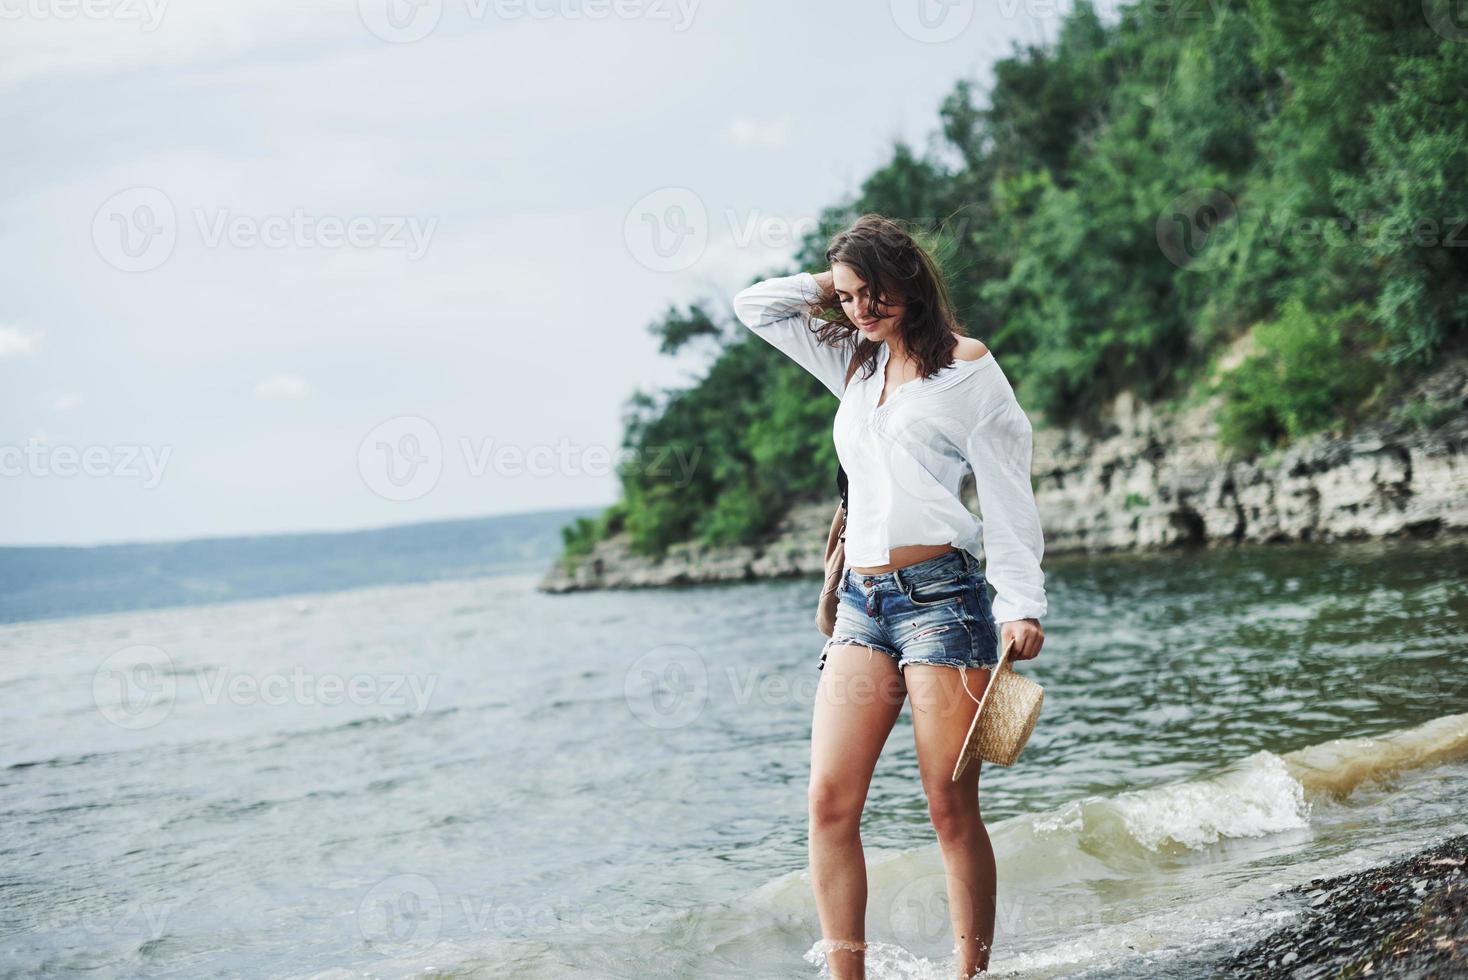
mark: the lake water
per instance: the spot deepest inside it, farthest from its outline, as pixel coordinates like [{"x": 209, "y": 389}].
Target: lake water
[{"x": 470, "y": 778}]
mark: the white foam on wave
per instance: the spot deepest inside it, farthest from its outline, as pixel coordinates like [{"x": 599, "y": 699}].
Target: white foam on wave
[{"x": 1255, "y": 798}]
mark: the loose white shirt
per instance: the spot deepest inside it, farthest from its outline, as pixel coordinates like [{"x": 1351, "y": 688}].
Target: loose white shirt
[{"x": 905, "y": 459}]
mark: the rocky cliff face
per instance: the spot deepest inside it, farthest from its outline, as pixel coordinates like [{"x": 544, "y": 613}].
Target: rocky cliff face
[{"x": 1152, "y": 480}]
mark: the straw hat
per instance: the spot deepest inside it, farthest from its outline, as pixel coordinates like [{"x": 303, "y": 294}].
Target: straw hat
[{"x": 1005, "y": 717}]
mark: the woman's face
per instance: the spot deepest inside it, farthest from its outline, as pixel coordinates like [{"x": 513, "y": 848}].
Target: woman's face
[{"x": 856, "y": 301}]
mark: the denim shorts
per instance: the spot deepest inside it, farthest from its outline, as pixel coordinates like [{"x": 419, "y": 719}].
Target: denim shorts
[{"x": 933, "y": 612}]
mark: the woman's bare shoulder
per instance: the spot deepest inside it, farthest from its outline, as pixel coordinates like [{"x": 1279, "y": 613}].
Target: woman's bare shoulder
[{"x": 969, "y": 349}]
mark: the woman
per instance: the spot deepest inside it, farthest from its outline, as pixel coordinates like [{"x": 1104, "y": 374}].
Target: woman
[{"x": 930, "y": 406}]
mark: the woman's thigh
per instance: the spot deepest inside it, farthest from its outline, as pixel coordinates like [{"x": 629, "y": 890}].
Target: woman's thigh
[
  {"x": 944, "y": 700},
  {"x": 857, "y": 702}
]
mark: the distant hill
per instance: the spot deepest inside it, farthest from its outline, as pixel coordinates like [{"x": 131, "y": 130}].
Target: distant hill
[{"x": 47, "y": 582}]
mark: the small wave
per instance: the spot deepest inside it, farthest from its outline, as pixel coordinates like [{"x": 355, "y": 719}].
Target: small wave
[
  {"x": 385, "y": 719},
  {"x": 1261, "y": 794},
  {"x": 1337, "y": 767},
  {"x": 56, "y": 762},
  {"x": 1254, "y": 797}
]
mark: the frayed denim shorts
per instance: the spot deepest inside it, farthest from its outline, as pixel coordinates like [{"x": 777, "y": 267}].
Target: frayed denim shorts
[{"x": 933, "y": 612}]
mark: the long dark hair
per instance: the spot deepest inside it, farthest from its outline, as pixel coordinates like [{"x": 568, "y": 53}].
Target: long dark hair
[{"x": 895, "y": 266}]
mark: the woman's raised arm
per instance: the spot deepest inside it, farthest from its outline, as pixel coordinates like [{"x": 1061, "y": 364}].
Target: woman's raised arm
[{"x": 777, "y": 309}]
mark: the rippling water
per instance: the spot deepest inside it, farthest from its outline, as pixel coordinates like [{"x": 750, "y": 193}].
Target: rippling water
[{"x": 477, "y": 779}]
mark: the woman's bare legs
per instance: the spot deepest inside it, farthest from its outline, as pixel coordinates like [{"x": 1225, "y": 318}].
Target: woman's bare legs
[
  {"x": 941, "y": 714},
  {"x": 857, "y": 701}
]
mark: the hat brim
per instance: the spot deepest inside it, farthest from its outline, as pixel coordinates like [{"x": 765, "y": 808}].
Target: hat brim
[{"x": 970, "y": 750}]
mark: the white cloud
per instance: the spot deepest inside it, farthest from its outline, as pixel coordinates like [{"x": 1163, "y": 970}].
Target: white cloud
[
  {"x": 15, "y": 341},
  {"x": 772, "y": 133},
  {"x": 281, "y": 386},
  {"x": 67, "y": 400}
]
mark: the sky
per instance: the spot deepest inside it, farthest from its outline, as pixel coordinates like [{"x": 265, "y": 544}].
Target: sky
[{"x": 278, "y": 266}]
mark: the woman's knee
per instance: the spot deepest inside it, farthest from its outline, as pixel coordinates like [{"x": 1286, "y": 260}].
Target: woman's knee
[
  {"x": 832, "y": 803},
  {"x": 953, "y": 812}
]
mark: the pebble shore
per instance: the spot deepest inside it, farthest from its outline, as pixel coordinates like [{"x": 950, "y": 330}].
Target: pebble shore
[{"x": 1405, "y": 919}]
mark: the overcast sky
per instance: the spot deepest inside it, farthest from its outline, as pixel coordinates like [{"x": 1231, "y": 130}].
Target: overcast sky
[{"x": 309, "y": 265}]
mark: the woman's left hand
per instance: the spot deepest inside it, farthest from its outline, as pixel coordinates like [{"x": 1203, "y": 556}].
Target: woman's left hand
[{"x": 1028, "y": 635}]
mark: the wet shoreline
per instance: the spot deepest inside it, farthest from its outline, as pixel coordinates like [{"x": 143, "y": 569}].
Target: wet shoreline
[{"x": 1408, "y": 918}]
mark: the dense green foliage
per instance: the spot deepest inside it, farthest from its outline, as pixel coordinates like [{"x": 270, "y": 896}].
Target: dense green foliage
[
  {"x": 1115, "y": 211},
  {"x": 1297, "y": 381}
]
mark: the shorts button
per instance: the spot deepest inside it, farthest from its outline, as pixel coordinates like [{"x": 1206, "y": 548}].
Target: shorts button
[{"x": 868, "y": 581}]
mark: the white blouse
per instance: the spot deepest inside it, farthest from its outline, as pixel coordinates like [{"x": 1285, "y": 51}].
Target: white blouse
[{"x": 905, "y": 459}]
